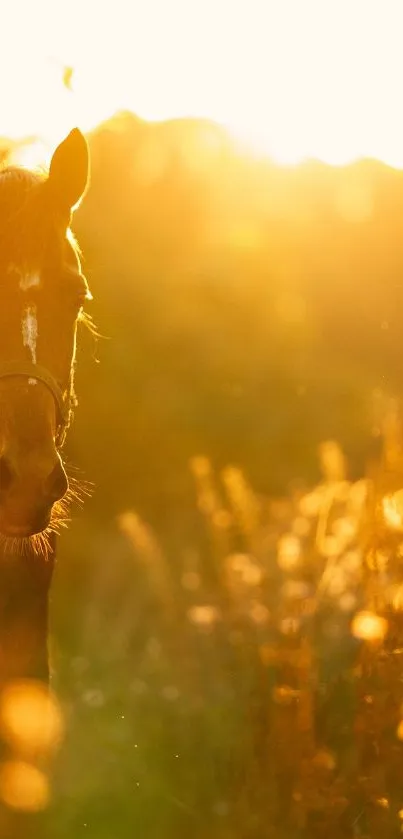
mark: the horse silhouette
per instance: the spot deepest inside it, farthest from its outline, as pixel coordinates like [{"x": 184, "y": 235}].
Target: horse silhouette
[{"x": 42, "y": 293}]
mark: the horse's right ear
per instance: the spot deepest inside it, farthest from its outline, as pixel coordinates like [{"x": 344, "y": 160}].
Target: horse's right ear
[{"x": 69, "y": 171}]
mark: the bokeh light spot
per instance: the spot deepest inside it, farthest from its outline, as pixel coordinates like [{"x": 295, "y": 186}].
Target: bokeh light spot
[
  {"x": 369, "y": 627},
  {"x": 30, "y": 717},
  {"x": 23, "y": 787}
]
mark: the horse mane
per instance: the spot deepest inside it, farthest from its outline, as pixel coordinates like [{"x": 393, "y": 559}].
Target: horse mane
[
  {"x": 16, "y": 184},
  {"x": 27, "y": 177},
  {"x": 28, "y": 218}
]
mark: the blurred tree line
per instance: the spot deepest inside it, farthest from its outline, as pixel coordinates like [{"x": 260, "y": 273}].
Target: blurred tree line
[{"x": 250, "y": 311}]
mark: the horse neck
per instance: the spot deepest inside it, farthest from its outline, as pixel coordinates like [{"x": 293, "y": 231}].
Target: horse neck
[{"x": 24, "y": 593}]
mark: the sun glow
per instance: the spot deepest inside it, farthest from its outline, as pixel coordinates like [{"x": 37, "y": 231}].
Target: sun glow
[{"x": 290, "y": 79}]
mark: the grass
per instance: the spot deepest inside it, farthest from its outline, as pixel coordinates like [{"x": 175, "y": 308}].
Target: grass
[{"x": 250, "y": 686}]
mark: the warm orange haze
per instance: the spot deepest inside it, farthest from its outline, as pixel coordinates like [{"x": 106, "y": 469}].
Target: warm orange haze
[
  {"x": 226, "y": 612},
  {"x": 291, "y": 78}
]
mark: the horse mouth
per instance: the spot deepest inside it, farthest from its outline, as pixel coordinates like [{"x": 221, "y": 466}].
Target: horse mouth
[
  {"x": 18, "y": 532},
  {"x": 23, "y": 531}
]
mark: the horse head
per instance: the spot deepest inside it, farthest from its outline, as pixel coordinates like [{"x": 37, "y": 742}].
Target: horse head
[{"x": 42, "y": 293}]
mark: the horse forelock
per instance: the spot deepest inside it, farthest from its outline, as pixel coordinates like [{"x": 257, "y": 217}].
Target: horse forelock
[
  {"x": 16, "y": 185},
  {"x": 28, "y": 221}
]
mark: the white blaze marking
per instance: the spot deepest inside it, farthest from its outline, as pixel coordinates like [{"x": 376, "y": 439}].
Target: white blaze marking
[
  {"x": 29, "y": 281},
  {"x": 30, "y": 333},
  {"x": 29, "y": 319}
]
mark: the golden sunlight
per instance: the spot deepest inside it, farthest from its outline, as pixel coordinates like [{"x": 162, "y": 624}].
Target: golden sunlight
[{"x": 290, "y": 79}]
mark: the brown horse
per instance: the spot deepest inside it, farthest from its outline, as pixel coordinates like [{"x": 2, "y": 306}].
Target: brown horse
[{"x": 42, "y": 292}]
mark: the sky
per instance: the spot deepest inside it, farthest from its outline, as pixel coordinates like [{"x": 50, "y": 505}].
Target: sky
[{"x": 291, "y": 78}]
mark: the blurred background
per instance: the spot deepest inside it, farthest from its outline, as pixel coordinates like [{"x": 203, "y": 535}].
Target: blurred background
[{"x": 242, "y": 238}]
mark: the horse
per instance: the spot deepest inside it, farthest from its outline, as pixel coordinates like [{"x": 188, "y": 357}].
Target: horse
[{"x": 42, "y": 295}]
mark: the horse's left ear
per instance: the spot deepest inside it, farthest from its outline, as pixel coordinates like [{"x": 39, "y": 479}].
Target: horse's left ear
[{"x": 69, "y": 170}]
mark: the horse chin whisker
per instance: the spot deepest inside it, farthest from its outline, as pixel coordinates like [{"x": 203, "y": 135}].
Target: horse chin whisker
[
  {"x": 36, "y": 545},
  {"x": 55, "y": 527},
  {"x": 61, "y": 517},
  {"x": 79, "y": 489},
  {"x": 39, "y": 544}
]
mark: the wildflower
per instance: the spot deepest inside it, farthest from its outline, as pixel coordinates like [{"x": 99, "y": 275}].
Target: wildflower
[
  {"x": 289, "y": 626},
  {"x": 285, "y": 695},
  {"x": 203, "y": 615},
  {"x": 324, "y": 759},
  {"x": 310, "y": 504},
  {"x": 352, "y": 561},
  {"x": 200, "y": 466},
  {"x": 369, "y": 627},
  {"x": 337, "y": 582},
  {"x": 295, "y": 590},
  {"x": 288, "y": 551},
  {"x": 245, "y": 568},
  {"x": 332, "y": 461},
  {"x": 392, "y": 506},
  {"x": 358, "y": 493},
  {"x": 258, "y": 613},
  {"x": 345, "y": 528}
]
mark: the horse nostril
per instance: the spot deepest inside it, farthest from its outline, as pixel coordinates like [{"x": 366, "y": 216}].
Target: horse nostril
[
  {"x": 6, "y": 473},
  {"x": 56, "y": 483}
]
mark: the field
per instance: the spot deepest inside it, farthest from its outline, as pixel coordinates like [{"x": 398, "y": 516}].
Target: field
[
  {"x": 250, "y": 685},
  {"x": 226, "y": 631}
]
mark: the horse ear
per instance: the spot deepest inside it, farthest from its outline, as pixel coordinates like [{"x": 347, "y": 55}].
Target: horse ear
[{"x": 69, "y": 170}]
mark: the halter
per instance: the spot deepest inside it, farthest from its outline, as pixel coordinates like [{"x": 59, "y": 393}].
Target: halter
[{"x": 29, "y": 370}]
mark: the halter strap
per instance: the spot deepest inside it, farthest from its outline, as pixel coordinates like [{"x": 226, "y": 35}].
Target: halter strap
[{"x": 34, "y": 371}]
